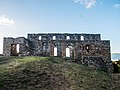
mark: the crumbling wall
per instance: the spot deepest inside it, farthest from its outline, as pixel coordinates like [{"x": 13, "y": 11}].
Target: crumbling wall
[
  {"x": 10, "y": 46},
  {"x": 43, "y": 44},
  {"x": 88, "y": 49}
]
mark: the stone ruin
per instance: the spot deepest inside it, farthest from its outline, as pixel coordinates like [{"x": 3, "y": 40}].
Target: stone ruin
[{"x": 88, "y": 49}]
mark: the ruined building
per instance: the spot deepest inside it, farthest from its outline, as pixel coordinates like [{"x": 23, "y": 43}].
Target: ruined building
[{"x": 88, "y": 49}]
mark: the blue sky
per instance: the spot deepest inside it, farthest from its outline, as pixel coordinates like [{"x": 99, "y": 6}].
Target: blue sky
[{"x": 20, "y": 17}]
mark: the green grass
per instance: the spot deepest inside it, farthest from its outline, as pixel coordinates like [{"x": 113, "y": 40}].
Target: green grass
[{"x": 47, "y": 73}]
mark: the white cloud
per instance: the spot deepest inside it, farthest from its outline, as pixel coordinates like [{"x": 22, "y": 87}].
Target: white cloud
[
  {"x": 116, "y": 5},
  {"x": 6, "y": 21},
  {"x": 86, "y": 3}
]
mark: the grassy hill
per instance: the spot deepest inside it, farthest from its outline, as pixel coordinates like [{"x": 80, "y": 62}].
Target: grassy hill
[{"x": 44, "y": 73}]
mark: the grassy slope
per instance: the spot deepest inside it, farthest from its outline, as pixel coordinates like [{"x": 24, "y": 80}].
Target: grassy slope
[{"x": 42, "y": 73}]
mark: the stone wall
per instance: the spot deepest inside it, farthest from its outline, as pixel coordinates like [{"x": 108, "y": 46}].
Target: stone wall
[
  {"x": 10, "y": 46},
  {"x": 88, "y": 49}
]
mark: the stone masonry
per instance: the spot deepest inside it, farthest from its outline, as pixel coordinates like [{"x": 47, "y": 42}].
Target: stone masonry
[{"x": 88, "y": 49}]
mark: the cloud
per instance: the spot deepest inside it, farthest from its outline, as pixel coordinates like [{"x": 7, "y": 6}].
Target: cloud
[
  {"x": 6, "y": 21},
  {"x": 116, "y": 5},
  {"x": 86, "y": 3}
]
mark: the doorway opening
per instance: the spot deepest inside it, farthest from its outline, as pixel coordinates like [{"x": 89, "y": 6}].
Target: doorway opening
[
  {"x": 67, "y": 52},
  {"x": 40, "y": 37},
  {"x": 14, "y": 50},
  {"x": 55, "y": 51}
]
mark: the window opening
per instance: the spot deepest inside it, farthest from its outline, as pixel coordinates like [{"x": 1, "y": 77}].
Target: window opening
[
  {"x": 87, "y": 47},
  {"x": 68, "y": 37},
  {"x": 82, "y": 38},
  {"x": 40, "y": 38},
  {"x": 54, "y": 37}
]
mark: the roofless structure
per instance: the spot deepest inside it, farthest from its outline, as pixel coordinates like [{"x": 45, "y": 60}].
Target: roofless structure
[{"x": 88, "y": 49}]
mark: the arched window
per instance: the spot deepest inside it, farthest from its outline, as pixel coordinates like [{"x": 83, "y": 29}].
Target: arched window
[
  {"x": 88, "y": 47},
  {"x": 68, "y": 37}
]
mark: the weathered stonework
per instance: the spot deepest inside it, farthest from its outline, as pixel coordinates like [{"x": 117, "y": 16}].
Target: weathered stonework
[{"x": 88, "y": 49}]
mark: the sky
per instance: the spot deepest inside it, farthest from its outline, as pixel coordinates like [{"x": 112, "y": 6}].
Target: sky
[{"x": 20, "y": 17}]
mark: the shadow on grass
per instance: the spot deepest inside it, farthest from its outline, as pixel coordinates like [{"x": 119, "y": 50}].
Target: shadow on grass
[{"x": 5, "y": 60}]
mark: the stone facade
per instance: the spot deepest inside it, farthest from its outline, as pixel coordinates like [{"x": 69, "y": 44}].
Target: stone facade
[{"x": 88, "y": 49}]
